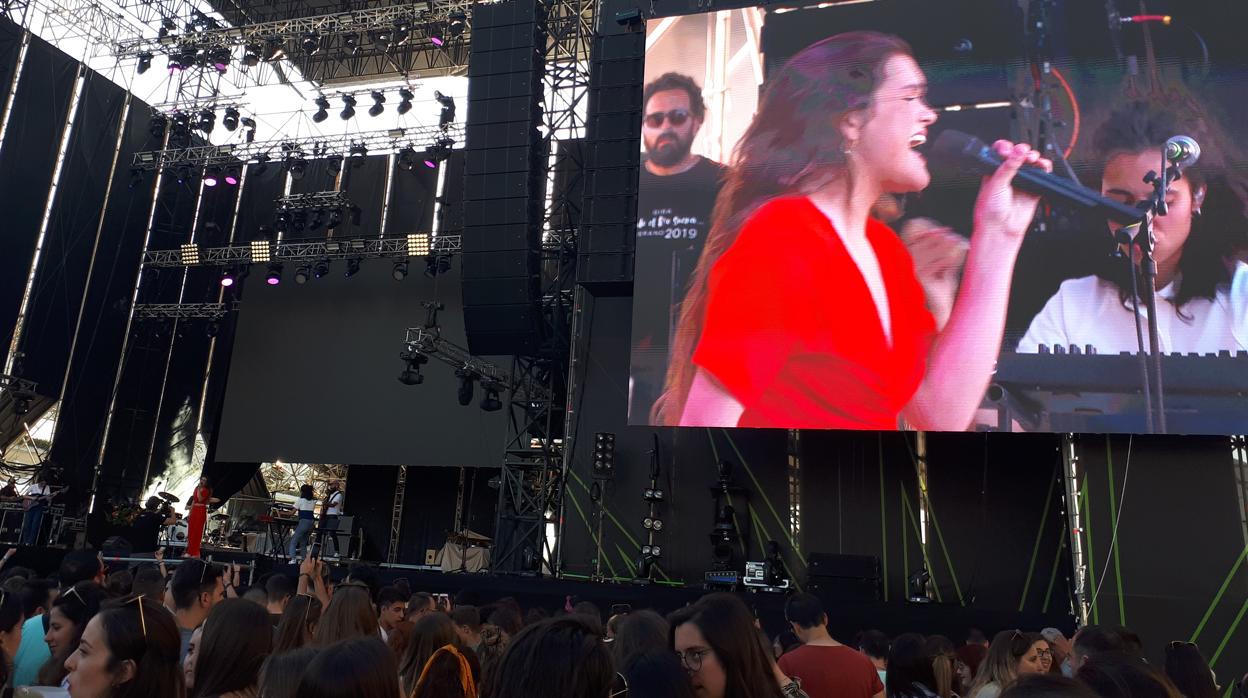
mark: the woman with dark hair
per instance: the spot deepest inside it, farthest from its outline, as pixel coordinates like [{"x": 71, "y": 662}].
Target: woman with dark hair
[
  {"x": 69, "y": 616},
  {"x": 450, "y": 673},
  {"x": 1202, "y": 291},
  {"x": 430, "y": 633},
  {"x": 803, "y": 310},
  {"x": 637, "y": 632},
  {"x": 1116, "y": 675},
  {"x": 1047, "y": 686},
  {"x": 1189, "y": 671},
  {"x": 350, "y": 614},
  {"x": 558, "y": 658},
  {"x": 279, "y": 676},
  {"x": 715, "y": 640},
  {"x": 129, "y": 649},
  {"x": 11, "y": 619},
  {"x": 200, "y": 499},
  {"x": 361, "y": 667},
  {"x": 237, "y": 638},
  {"x": 656, "y": 673},
  {"x": 1012, "y": 653},
  {"x": 910, "y": 669},
  {"x": 298, "y": 624},
  {"x": 305, "y": 505}
]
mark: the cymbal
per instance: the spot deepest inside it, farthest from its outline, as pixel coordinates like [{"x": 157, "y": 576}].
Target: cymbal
[
  {"x": 220, "y": 517},
  {"x": 171, "y": 498}
]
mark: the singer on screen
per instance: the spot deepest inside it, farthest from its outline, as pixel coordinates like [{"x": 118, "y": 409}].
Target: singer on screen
[
  {"x": 1202, "y": 292},
  {"x": 805, "y": 312}
]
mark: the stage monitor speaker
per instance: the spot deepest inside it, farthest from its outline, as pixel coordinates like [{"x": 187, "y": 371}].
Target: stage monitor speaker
[
  {"x": 504, "y": 178},
  {"x": 612, "y": 157},
  {"x": 824, "y": 565},
  {"x": 844, "y": 588}
]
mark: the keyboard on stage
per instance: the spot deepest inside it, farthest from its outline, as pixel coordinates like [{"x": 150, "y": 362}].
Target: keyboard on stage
[{"x": 1081, "y": 392}]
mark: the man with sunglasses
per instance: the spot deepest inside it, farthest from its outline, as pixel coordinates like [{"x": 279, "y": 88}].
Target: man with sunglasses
[{"x": 677, "y": 189}]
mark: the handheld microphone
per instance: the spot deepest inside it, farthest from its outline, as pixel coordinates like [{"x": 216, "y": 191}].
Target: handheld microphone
[
  {"x": 1182, "y": 151},
  {"x": 973, "y": 155}
]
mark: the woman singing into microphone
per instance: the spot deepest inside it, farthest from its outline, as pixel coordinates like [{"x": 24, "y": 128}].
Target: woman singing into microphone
[
  {"x": 805, "y": 312},
  {"x": 1202, "y": 292}
]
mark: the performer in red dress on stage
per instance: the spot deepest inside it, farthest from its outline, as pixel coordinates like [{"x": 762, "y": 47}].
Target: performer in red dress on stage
[
  {"x": 199, "y": 516},
  {"x": 806, "y": 312}
]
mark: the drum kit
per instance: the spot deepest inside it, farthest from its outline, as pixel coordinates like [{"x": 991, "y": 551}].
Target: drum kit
[{"x": 175, "y": 534}]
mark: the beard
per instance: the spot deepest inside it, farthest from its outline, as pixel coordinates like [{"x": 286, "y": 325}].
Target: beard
[{"x": 668, "y": 149}]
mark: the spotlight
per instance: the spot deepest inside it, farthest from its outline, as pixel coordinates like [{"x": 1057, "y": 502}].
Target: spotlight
[
  {"x": 437, "y": 264},
  {"x": 435, "y": 38},
  {"x": 467, "y": 380},
  {"x": 21, "y": 404},
  {"x": 136, "y": 177},
  {"x": 228, "y": 278},
  {"x": 402, "y": 31},
  {"x": 174, "y": 63},
  {"x": 408, "y": 158},
  {"x": 322, "y": 109},
  {"x": 220, "y": 58},
  {"x": 405, "y": 105},
  {"x": 379, "y": 100},
  {"x": 400, "y": 270},
  {"x": 274, "y": 49},
  {"x": 297, "y": 167},
  {"x": 458, "y": 22},
  {"x": 207, "y": 120},
  {"x": 351, "y": 43},
  {"x": 311, "y": 43},
  {"x": 334, "y": 164},
  {"x": 251, "y": 55},
  {"x": 491, "y": 402},
  {"x": 274, "y": 277},
  {"x": 212, "y": 176},
  {"x": 183, "y": 173},
  {"x": 447, "y": 116},
  {"x": 413, "y": 360},
  {"x": 262, "y": 163},
  {"x": 439, "y": 151},
  {"x": 156, "y": 126},
  {"x": 382, "y": 37},
  {"x": 604, "y": 455},
  {"x": 230, "y": 120},
  {"x": 233, "y": 174},
  {"x": 145, "y": 62},
  {"x": 348, "y": 107},
  {"x": 357, "y": 154},
  {"x": 353, "y": 267},
  {"x": 335, "y": 218},
  {"x": 302, "y": 274},
  {"x": 321, "y": 268},
  {"x": 249, "y": 124}
]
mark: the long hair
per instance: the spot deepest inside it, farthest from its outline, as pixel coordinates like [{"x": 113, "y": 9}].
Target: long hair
[
  {"x": 1222, "y": 228},
  {"x": 299, "y": 621},
  {"x": 1001, "y": 664},
  {"x": 639, "y": 631},
  {"x": 350, "y": 614},
  {"x": 1124, "y": 676},
  {"x": 449, "y": 673},
  {"x": 1189, "y": 671},
  {"x": 148, "y": 637},
  {"x": 944, "y": 665},
  {"x": 279, "y": 676},
  {"x": 238, "y": 636},
  {"x": 431, "y": 632},
  {"x": 790, "y": 147},
  {"x": 494, "y": 644},
  {"x": 78, "y": 605},
  {"x": 558, "y": 658},
  {"x": 656, "y": 673},
  {"x": 909, "y": 664},
  {"x": 11, "y": 616},
  {"x": 728, "y": 627},
  {"x": 361, "y": 667}
]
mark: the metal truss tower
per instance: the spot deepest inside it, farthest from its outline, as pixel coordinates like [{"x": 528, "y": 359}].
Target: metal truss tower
[{"x": 532, "y": 478}]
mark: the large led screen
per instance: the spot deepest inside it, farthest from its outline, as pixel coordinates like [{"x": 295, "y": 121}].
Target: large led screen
[{"x": 833, "y": 230}]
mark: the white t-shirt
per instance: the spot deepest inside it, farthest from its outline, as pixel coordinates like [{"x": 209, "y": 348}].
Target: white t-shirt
[
  {"x": 335, "y": 504},
  {"x": 1090, "y": 310},
  {"x": 305, "y": 505},
  {"x": 35, "y": 489}
]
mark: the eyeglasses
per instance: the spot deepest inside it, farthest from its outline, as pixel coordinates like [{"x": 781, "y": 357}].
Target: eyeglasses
[
  {"x": 619, "y": 687},
  {"x": 73, "y": 591},
  {"x": 138, "y": 600},
  {"x": 676, "y": 117},
  {"x": 1042, "y": 653},
  {"x": 1179, "y": 643},
  {"x": 692, "y": 660}
]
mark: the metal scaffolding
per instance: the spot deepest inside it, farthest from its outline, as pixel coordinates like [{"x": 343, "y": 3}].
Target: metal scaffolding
[
  {"x": 261, "y": 251},
  {"x": 183, "y": 311}
]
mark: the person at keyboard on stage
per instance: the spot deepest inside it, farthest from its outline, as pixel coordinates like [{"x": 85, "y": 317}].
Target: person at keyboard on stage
[
  {"x": 1202, "y": 290},
  {"x": 305, "y": 505},
  {"x": 803, "y": 310}
]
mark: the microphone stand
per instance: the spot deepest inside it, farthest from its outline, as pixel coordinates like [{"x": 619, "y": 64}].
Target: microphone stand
[{"x": 1148, "y": 267}]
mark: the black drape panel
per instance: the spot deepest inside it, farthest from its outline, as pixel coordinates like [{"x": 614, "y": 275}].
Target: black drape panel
[
  {"x": 370, "y": 500},
  {"x": 316, "y": 177},
  {"x": 10, "y": 48},
  {"x": 261, "y": 188},
  {"x": 365, "y": 186},
  {"x": 569, "y": 187},
  {"x": 88, "y": 392},
  {"x": 27, "y": 159},
  {"x": 429, "y": 508},
  {"x": 452, "y": 211},
  {"x": 411, "y": 199},
  {"x": 61, "y": 279}
]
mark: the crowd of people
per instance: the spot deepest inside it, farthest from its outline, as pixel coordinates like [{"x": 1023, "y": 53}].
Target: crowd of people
[{"x": 89, "y": 631}]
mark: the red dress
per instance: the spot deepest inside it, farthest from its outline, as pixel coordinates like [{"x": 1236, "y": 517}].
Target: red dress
[
  {"x": 791, "y": 330},
  {"x": 197, "y": 521}
]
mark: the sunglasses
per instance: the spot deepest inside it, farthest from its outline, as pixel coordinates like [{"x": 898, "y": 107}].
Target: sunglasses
[
  {"x": 619, "y": 687},
  {"x": 676, "y": 117}
]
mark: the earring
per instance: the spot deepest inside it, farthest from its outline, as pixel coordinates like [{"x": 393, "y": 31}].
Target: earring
[
  {"x": 1196, "y": 212},
  {"x": 848, "y": 148}
]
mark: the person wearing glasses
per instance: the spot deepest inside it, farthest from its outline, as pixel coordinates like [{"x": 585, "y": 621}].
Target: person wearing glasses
[
  {"x": 716, "y": 641},
  {"x": 676, "y": 194}
]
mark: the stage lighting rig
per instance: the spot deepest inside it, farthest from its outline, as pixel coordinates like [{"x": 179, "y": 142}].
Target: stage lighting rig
[
  {"x": 322, "y": 109},
  {"x": 400, "y": 270},
  {"x": 156, "y": 126},
  {"x": 604, "y": 455},
  {"x": 321, "y": 268},
  {"x": 303, "y": 273},
  {"x": 407, "y": 158},
  {"x": 379, "y": 101},
  {"x": 207, "y": 121},
  {"x": 310, "y": 43},
  {"x": 348, "y": 107},
  {"x": 233, "y": 174},
  {"x": 212, "y": 176},
  {"x": 252, "y": 55},
  {"x": 274, "y": 277},
  {"x": 356, "y": 155},
  {"x": 447, "y": 116},
  {"x": 145, "y": 62},
  {"x": 457, "y": 23},
  {"x": 402, "y": 31},
  {"x": 491, "y": 401},
  {"x": 411, "y": 374},
  {"x": 437, "y": 264},
  {"x": 230, "y": 119},
  {"x": 220, "y": 58},
  {"x": 353, "y": 267},
  {"x": 467, "y": 382},
  {"x": 334, "y": 164},
  {"x": 405, "y": 100},
  {"x": 351, "y": 44}
]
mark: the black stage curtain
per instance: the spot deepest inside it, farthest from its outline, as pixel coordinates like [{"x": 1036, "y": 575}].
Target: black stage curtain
[
  {"x": 61, "y": 280},
  {"x": 262, "y": 187},
  {"x": 452, "y": 211},
  {"x": 429, "y": 508},
  {"x": 10, "y": 48},
  {"x": 365, "y": 186},
  {"x": 316, "y": 178},
  {"x": 411, "y": 199},
  {"x": 370, "y": 500},
  {"x": 88, "y": 392},
  {"x": 27, "y": 159}
]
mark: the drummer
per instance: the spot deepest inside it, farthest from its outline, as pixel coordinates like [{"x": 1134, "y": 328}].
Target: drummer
[{"x": 147, "y": 525}]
